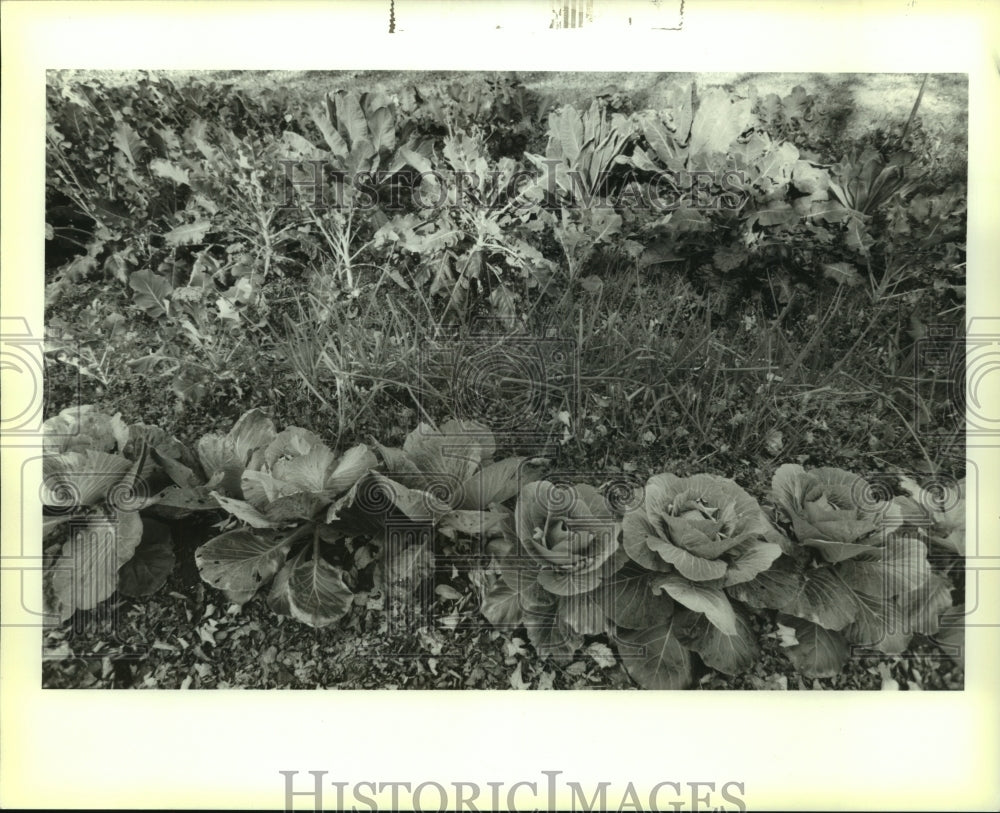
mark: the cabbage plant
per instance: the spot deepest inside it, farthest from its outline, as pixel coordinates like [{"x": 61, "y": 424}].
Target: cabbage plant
[
  {"x": 856, "y": 575},
  {"x": 562, "y": 547},
  {"x": 218, "y": 464},
  {"x": 455, "y": 464},
  {"x": 97, "y": 475},
  {"x": 288, "y": 493},
  {"x": 690, "y": 540},
  {"x": 309, "y": 519}
]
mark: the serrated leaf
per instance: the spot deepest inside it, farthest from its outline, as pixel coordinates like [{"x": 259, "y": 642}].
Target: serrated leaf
[
  {"x": 602, "y": 654},
  {"x": 187, "y": 234},
  {"x": 165, "y": 169},
  {"x": 151, "y": 292},
  {"x": 129, "y": 143}
]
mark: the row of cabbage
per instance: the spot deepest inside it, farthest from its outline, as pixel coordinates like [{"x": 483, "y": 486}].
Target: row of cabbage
[{"x": 672, "y": 573}]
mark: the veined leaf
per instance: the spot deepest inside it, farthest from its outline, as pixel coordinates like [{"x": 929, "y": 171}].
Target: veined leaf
[
  {"x": 552, "y": 637},
  {"x": 323, "y": 117},
  {"x": 582, "y": 612},
  {"x": 819, "y": 653},
  {"x": 252, "y": 432},
  {"x": 631, "y": 601},
  {"x": 129, "y": 143},
  {"x": 151, "y": 292},
  {"x": 772, "y": 589},
  {"x": 688, "y": 565},
  {"x": 86, "y": 573},
  {"x": 842, "y": 273},
  {"x": 655, "y": 657},
  {"x": 75, "y": 479},
  {"x": 502, "y": 606},
  {"x": 731, "y": 654},
  {"x": 306, "y": 472},
  {"x": 240, "y": 561},
  {"x": 296, "y": 147},
  {"x": 823, "y": 599},
  {"x": 244, "y": 512},
  {"x": 498, "y": 482},
  {"x": 317, "y": 595},
  {"x": 351, "y": 119},
  {"x": 881, "y": 624},
  {"x": 712, "y": 603},
  {"x": 382, "y": 126},
  {"x": 291, "y": 442},
  {"x": 350, "y": 468},
  {"x": 752, "y": 557},
  {"x": 718, "y": 122},
  {"x": 187, "y": 234}
]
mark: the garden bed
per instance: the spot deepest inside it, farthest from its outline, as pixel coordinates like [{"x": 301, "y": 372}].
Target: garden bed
[{"x": 699, "y": 308}]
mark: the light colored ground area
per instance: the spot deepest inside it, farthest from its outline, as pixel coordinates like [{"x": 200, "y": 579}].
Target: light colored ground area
[{"x": 875, "y": 98}]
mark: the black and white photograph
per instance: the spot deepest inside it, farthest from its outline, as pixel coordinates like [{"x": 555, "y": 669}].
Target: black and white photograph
[
  {"x": 656, "y": 382},
  {"x": 498, "y": 380}
]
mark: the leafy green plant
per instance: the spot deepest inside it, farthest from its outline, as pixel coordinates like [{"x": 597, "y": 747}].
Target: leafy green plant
[
  {"x": 455, "y": 464},
  {"x": 289, "y": 490},
  {"x": 499, "y": 108},
  {"x": 97, "y": 476},
  {"x": 560, "y": 545},
  {"x": 940, "y": 507},
  {"x": 855, "y": 576},
  {"x": 693, "y": 539},
  {"x": 218, "y": 465},
  {"x": 311, "y": 520},
  {"x": 472, "y": 233}
]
